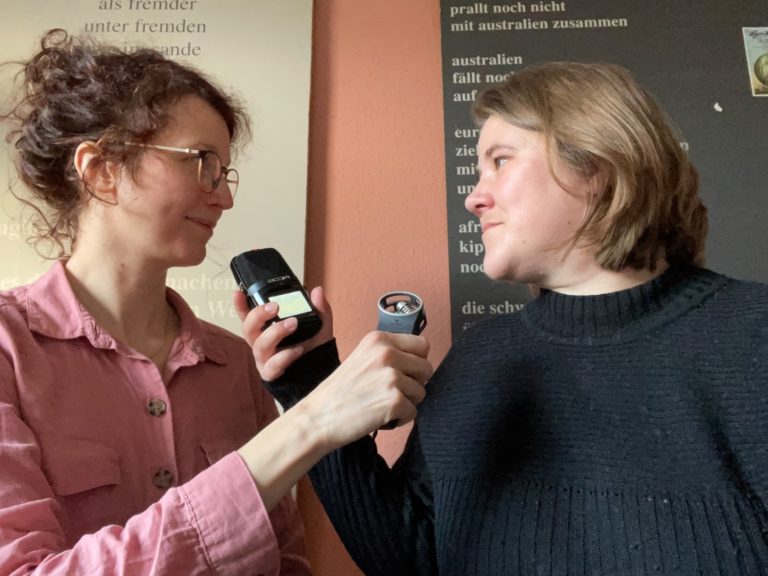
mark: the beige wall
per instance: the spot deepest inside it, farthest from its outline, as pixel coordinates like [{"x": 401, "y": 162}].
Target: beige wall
[
  {"x": 376, "y": 198},
  {"x": 268, "y": 68}
]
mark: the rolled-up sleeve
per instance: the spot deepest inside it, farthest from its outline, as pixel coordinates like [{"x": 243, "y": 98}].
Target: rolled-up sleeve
[{"x": 214, "y": 524}]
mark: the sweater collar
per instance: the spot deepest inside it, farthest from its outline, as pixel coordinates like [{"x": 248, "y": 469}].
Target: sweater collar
[{"x": 677, "y": 289}]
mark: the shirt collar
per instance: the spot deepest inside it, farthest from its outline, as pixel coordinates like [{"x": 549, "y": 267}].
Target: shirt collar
[
  {"x": 197, "y": 336},
  {"x": 54, "y": 311}
]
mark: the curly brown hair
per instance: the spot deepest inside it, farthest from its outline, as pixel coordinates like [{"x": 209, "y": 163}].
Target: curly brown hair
[
  {"x": 598, "y": 121},
  {"x": 76, "y": 90}
]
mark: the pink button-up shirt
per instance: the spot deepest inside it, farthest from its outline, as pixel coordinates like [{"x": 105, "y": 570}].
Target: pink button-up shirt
[{"x": 105, "y": 468}]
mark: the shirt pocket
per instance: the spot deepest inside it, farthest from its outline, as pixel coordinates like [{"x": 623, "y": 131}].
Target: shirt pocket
[{"x": 74, "y": 467}]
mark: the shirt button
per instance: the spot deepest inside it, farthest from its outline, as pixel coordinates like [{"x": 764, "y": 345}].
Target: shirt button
[
  {"x": 163, "y": 479},
  {"x": 156, "y": 407}
]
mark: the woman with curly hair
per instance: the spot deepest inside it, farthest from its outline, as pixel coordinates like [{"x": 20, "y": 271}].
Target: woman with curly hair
[{"x": 134, "y": 437}]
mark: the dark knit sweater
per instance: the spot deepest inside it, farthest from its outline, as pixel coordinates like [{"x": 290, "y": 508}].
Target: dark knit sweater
[{"x": 618, "y": 434}]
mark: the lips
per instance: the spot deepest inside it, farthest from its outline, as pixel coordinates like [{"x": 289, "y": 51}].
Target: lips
[
  {"x": 485, "y": 226},
  {"x": 207, "y": 223}
]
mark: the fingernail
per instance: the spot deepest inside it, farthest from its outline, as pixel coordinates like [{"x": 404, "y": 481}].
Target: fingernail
[
  {"x": 291, "y": 323},
  {"x": 270, "y": 307}
]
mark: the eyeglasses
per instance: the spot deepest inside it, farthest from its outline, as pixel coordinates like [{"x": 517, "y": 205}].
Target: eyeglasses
[{"x": 209, "y": 168}]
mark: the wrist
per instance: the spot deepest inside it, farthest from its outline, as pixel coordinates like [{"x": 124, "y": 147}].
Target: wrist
[
  {"x": 283, "y": 452},
  {"x": 307, "y": 425},
  {"x": 311, "y": 422}
]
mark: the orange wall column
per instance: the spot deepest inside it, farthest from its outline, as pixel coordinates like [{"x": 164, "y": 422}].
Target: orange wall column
[{"x": 376, "y": 196}]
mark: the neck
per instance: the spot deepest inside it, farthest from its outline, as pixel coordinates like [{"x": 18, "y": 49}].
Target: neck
[
  {"x": 126, "y": 298},
  {"x": 589, "y": 278}
]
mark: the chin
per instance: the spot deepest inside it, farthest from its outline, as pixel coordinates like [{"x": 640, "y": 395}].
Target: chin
[
  {"x": 198, "y": 259},
  {"x": 506, "y": 272},
  {"x": 495, "y": 270},
  {"x": 498, "y": 276},
  {"x": 192, "y": 258}
]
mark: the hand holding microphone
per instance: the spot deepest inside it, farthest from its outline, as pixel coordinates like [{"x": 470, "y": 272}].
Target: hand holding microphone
[{"x": 385, "y": 374}]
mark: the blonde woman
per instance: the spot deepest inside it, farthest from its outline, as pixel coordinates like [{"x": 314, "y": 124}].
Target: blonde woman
[{"x": 618, "y": 423}]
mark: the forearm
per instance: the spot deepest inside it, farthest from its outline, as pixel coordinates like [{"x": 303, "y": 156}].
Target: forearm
[
  {"x": 383, "y": 516},
  {"x": 282, "y": 453}
]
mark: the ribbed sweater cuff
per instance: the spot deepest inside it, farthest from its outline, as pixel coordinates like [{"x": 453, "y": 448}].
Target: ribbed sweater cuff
[{"x": 304, "y": 375}]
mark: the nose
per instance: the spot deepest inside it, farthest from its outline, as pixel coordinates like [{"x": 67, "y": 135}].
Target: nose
[
  {"x": 222, "y": 196},
  {"x": 479, "y": 200}
]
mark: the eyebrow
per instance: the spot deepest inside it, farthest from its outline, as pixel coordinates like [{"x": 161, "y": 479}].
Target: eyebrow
[
  {"x": 205, "y": 146},
  {"x": 495, "y": 147}
]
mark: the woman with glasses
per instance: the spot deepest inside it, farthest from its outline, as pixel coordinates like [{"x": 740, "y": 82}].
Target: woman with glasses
[{"x": 128, "y": 427}]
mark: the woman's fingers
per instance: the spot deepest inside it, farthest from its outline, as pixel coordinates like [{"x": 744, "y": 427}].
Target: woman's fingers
[
  {"x": 413, "y": 390},
  {"x": 253, "y": 321},
  {"x": 317, "y": 296},
  {"x": 406, "y": 412},
  {"x": 417, "y": 345},
  {"x": 264, "y": 338},
  {"x": 278, "y": 363},
  {"x": 267, "y": 343},
  {"x": 411, "y": 365}
]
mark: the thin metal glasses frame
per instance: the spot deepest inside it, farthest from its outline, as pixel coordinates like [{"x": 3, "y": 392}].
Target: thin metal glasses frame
[{"x": 225, "y": 171}]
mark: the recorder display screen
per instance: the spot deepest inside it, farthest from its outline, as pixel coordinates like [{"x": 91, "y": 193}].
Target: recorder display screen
[{"x": 291, "y": 304}]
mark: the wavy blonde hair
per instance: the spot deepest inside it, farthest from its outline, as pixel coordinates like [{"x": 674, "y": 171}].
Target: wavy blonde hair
[{"x": 599, "y": 122}]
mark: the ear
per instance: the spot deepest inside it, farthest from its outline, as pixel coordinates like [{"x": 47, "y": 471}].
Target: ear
[{"x": 99, "y": 177}]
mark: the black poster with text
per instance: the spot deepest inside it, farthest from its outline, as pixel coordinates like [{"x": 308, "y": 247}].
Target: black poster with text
[{"x": 705, "y": 60}]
